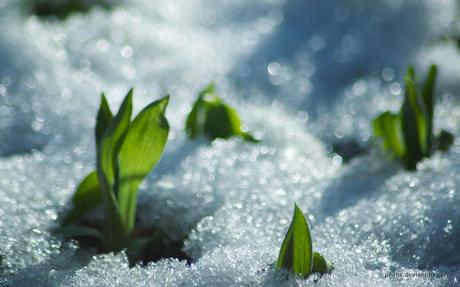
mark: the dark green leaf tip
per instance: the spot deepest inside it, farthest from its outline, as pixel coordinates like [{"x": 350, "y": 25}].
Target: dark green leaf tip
[{"x": 103, "y": 118}]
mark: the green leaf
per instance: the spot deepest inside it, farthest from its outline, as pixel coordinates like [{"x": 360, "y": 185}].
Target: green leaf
[
  {"x": 220, "y": 120},
  {"x": 103, "y": 119},
  {"x": 72, "y": 231},
  {"x": 296, "y": 254},
  {"x": 86, "y": 198},
  {"x": 388, "y": 127},
  {"x": 141, "y": 149},
  {"x": 211, "y": 117},
  {"x": 444, "y": 140},
  {"x": 106, "y": 166},
  {"x": 413, "y": 124},
  {"x": 196, "y": 118},
  {"x": 415, "y": 121},
  {"x": 321, "y": 264},
  {"x": 114, "y": 132},
  {"x": 429, "y": 101}
]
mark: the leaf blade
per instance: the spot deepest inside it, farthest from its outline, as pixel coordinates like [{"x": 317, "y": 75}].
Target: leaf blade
[
  {"x": 142, "y": 148},
  {"x": 114, "y": 132},
  {"x": 387, "y": 126},
  {"x": 103, "y": 119},
  {"x": 86, "y": 198},
  {"x": 412, "y": 125},
  {"x": 321, "y": 264},
  {"x": 296, "y": 253},
  {"x": 114, "y": 233},
  {"x": 196, "y": 118},
  {"x": 429, "y": 101},
  {"x": 212, "y": 117}
]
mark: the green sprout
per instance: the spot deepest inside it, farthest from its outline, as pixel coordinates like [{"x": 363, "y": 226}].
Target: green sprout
[
  {"x": 296, "y": 253},
  {"x": 409, "y": 133},
  {"x": 212, "y": 117},
  {"x": 126, "y": 153}
]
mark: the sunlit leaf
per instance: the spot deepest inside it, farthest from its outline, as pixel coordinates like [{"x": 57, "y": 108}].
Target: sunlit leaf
[
  {"x": 86, "y": 198},
  {"x": 141, "y": 149},
  {"x": 296, "y": 254},
  {"x": 106, "y": 168},
  {"x": 387, "y": 126},
  {"x": 114, "y": 132}
]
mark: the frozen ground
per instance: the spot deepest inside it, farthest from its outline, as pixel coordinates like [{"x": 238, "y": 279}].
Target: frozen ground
[{"x": 303, "y": 75}]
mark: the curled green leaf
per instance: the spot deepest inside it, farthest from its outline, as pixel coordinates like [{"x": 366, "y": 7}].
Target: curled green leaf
[{"x": 212, "y": 117}]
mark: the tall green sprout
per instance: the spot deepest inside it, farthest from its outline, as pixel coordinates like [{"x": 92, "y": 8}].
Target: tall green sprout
[
  {"x": 126, "y": 153},
  {"x": 409, "y": 134}
]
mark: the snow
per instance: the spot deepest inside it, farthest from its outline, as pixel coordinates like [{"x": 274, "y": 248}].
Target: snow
[{"x": 303, "y": 75}]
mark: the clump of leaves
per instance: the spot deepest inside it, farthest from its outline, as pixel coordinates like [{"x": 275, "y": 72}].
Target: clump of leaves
[
  {"x": 296, "y": 253},
  {"x": 62, "y": 9},
  {"x": 212, "y": 117},
  {"x": 126, "y": 153},
  {"x": 409, "y": 133}
]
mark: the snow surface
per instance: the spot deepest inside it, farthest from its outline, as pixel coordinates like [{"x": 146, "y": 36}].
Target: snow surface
[{"x": 302, "y": 74}]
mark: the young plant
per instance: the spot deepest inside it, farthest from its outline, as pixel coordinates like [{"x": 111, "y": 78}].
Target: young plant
[
  {"x": 212, "y": 117},
  {"x": 126, "y": 152},
  {"x": 296, "y": 253},
  {"x": 409, "y": 133}
]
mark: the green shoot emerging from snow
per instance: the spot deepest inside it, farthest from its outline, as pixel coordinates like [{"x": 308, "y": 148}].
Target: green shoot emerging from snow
[
  {"x": 126, "y": 152},
  {"x": 211, "y": 117},
  {"x": 409, "y": 133},
  {"x": 296, "y": 253}
]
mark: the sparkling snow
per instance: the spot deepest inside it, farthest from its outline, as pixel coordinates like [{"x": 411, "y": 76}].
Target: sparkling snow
[{"x": 303, "y": 75}]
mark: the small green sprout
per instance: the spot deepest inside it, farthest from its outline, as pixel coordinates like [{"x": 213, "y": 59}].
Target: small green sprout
[
  {"x": 409, "y": 133},
  {"x": 126, "y": 153},
  {"x": 212, "y": 117},
  {"x": 296, "y": 253}
]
